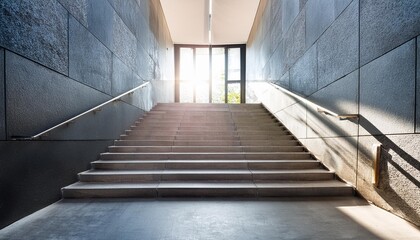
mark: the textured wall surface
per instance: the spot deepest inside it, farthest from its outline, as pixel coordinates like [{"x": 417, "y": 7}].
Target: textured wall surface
[
  {"x": 351, "y": 57},
  {"x": 59, "y": 58},
  {"x": 30, "y": 183},
  {"x": 2, "y": 106}
]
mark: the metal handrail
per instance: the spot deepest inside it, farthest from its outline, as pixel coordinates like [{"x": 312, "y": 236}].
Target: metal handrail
[
  {"x": 318, "y": 108},
  {"x": 94, "y": 109}
]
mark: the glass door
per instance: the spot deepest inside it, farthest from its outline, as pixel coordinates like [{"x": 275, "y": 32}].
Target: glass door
[
  {"x": 233, "y": 76},
  {"x": 218, "y": 75},
  {"x": 210, "y": 74}
]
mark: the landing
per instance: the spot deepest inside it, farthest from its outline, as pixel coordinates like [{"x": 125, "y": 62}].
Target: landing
[{"x": 309, "y": 218}]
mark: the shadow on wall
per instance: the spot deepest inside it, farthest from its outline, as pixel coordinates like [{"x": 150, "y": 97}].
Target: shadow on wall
[
  {"x": 390, "y": 167},
  {"x": 389, "y": 196},
  {"x": 336, "y": 148},
  {"x": 387, "y": 145},
  {"x": 351, "y": 157}
]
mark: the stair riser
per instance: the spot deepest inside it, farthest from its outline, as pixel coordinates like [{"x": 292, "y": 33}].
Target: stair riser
[
  {"x": 161, "y": 128},
  {"x": 207, "y": 128},
  {"x": 203, "y": 149},
  {"x": 206, "y": 143},
  {"x": 208, "y": 121},
  {"x": 284, "y": 166},
  {"x": 224, "y": 113},
  {"x": 252, "y": 119},
  {"x": 206, "y": 110},
  {"x": 207, "y": 133},
  {"x": 247, "y": 137},
  {"x": 203, "y": 143},
  {"x": 203, "y": 120},
  {"x": 162, "y": 166},
  {"x": 294, "y": 176},
  {"x": 209, "y": 192},
  {"x": 269, "y": 143},
  {"x": 125, "y": 166},
  {"x": 208, "y": 137},
  {"x": 142, "y": 128},
  {"x": 213, "y": 166},
  {"x": 143, "y": 143},
  {"x": 129, "y": 178},
  {"x": 206, "y": 156},
  {"x": 110, "y": 193},
  {"x": 122, "y": 178},
  {"x": 305, "y": 192},
  {"x": 204, "y": 124}
]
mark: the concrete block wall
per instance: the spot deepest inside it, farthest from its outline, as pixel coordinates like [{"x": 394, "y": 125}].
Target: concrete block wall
[
  {"x": 59, "y": 58},
  {"x": 351, "y": 57}
]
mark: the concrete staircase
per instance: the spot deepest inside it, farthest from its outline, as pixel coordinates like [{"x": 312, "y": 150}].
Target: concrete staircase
[{"x": 207, "y": 150}]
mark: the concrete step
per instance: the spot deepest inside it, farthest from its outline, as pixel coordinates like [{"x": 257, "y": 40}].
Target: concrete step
[
  {"x": 208, "y": 156},
  {"x": 208, "y": 189},
  {"x": 210, "y": 118},
  {"x": 203, "y": 132},
  {"x": 205, "y": 164},
  {"x": 207, "y": 143},
  {"x": 204, "y": 175},
  {"x": 205, "y": 113},
  {"x": 109, "y": 190},
  {"x": 244, "y": 126},
  {"x": 263, "y": 120},
  {"x": 160, "y": 149},
  {"x": 211, "y": 115},
  {"x": 287, "y": 142},
  {"x": 207, "y": 128},
  {"x": 207, "y": 150},
  {"x": 208, "y": 137},
  {"x": 143, "y": 143}
]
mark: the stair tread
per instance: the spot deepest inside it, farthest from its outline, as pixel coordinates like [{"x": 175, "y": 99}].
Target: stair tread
[
  {"x": 103, "y": 185},
  {"x": 195, "y": 153},
  {"x": 208, "y": 184},
  {"x": 276, "y": 184},
  {"x": 204, "y": 161},
  {"x": 203, "y": 147},
  {"x": 202, "y": 171}
]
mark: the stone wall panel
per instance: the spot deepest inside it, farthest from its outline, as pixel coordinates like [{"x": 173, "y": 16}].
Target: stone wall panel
[
  {"x": 338, "y": 47},
  {"x": 90, "y": 61},
  {"x": 385, "y": 25},
  {"x": 387, "y": 92},
  {"x": 36, "y": 29}
]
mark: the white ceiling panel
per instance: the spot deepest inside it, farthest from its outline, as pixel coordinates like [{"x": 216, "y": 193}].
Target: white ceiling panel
[
  {"x": 188, "y": 20},
  {"x": 232, "y": 20}
]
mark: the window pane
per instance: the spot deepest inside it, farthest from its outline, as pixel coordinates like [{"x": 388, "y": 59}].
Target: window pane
[
  {"x": 186, "y": 92},
  {"x": 202, "y": 75},
  {"x": 186, "y": 85},
  {"x": 186, "y": 64},
  {"x": 234, "y": 56},
  {"x": 218, "y": 75},
  {"x": 234, "y": 93}
]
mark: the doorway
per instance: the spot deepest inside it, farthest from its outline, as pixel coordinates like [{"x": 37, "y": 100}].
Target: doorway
[{"x": 210, "y": 74}]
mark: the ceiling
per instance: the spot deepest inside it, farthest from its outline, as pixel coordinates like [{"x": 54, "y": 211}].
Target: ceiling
[{"x": 188, "y": 20}]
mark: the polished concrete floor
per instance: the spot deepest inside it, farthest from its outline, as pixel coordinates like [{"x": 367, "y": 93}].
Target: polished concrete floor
[{"x": 315, "y": 218}]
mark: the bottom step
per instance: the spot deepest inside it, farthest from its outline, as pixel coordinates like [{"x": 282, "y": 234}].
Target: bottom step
[{"x": 207, "y": 189}]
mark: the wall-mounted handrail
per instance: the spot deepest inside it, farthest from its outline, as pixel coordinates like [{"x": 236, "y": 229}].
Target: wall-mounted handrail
[
  {"x": 318, "y": 108},
  {"x": 94, "y": 109}
]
